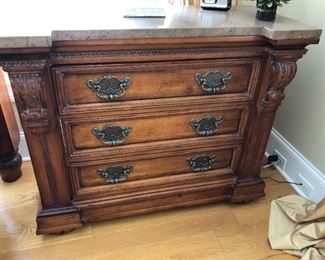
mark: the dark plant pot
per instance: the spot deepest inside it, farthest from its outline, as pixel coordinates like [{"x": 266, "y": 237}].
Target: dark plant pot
[{"x": 266, "y": 15}]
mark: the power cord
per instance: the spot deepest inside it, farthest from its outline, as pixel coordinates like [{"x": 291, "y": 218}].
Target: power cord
[{"x": 271, "y": 159}]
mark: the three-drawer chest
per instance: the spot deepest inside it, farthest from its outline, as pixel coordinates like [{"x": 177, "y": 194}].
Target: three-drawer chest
[{"x": 146, "y": 117}]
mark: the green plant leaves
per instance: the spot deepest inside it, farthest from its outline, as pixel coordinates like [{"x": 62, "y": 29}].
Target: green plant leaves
[{"x": 270, "y": 4}]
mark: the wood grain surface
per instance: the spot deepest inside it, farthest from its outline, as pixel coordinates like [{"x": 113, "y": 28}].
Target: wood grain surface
[
  {"x": 152, "y": 80},
  {"x": 169, "y": 127}
]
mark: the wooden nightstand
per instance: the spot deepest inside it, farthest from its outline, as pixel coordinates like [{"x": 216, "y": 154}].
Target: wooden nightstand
[{"x": 151, "y": 115}]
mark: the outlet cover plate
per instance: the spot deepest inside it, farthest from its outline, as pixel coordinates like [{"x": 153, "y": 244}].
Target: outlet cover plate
[{"x": 282, "y": 161}]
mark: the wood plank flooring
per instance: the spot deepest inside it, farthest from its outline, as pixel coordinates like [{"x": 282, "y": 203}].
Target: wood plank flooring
[{"x": 216, "y": 231}]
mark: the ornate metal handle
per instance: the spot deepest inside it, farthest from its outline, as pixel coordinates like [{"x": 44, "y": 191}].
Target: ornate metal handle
[
  {"x": 213, "y": 81},
  {"x": 112, "y": 135},
  {"x": 115, "y": 173},
  {"x": 109, "y": 88},
  {"x": 207, "y": 125},
  {"x": 201, "y": 163}
]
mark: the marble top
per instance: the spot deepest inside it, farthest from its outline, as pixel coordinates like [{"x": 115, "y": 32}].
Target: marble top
[{"x": 41, "y": 29}]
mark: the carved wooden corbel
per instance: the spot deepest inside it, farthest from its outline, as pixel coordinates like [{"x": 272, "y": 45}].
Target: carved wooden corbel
[
  {"x": 30, "y": 98},
  {"x": 27, "y": 79},
  {"x": 283, "y": 70},
  {"x": 282, "y": 73}
]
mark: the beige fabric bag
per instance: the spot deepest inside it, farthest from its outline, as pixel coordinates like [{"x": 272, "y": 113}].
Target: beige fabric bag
[{"x": 297, "y": 226}]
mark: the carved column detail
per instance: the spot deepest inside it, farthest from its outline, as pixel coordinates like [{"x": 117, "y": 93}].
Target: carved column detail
[
  {"x": 30, "y": 98},
  {"x": 29, "y": 90},
  {"x": 31, "y": 84},
  {"x": 280, "y": 70},
  {"x": 282, "y": 73}
]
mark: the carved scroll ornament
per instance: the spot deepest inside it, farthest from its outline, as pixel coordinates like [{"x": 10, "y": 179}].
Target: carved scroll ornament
[
  {"x": 29, "y": 98},
  {"x": 282, "y": 73}
]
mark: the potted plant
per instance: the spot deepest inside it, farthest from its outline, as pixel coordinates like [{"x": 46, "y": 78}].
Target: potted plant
[{"x": 267, "y": 9}]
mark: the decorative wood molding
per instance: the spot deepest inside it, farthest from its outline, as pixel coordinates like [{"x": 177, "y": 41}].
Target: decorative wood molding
[
  {"x": 31, "y": 86},
  {"x": 27, "y": 81},
  {"x": 23, "y": 65},
  {"x": 283, "y": 70},
  {"x": 67, "y": 219},
  {"x": 247, "y": 190},
  {"x": 30, "y": 98},
  {"x": 49, "y": 168},
  {"x": 282, "y": 74},
  {"x": 152, "y": 52}
]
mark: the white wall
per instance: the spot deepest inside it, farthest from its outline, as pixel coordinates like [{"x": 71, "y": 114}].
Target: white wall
[{"x": 301, "y": 118}]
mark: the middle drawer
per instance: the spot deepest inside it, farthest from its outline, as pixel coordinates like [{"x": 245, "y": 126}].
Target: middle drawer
[{"x": 108, "y": 131}]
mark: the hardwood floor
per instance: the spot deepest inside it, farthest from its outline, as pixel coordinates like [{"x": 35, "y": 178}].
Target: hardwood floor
[{"x": 217, "y": 231}]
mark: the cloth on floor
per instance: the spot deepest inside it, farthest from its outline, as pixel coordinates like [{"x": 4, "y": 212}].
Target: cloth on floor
[{"x": 297, "y": 226}]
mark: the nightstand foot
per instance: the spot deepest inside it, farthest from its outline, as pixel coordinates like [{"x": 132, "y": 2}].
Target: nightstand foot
[
  {"x": 10, "y": 170},
  {"x": 248, "y": 190},
  {"x": 58, "y": 221}
]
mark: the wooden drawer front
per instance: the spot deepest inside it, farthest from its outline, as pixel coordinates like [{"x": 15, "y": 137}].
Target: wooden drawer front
[
  {"x": 149, "y": 129},
  {"x": 137, "y": 170},
  {"x": 152, "y": 80}
]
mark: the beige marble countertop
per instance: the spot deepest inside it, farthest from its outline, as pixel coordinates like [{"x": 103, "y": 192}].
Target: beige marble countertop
[{"x": 87, "y": 22}]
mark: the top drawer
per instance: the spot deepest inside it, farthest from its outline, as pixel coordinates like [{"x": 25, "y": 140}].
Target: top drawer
[{"x": 89, "y": 84}]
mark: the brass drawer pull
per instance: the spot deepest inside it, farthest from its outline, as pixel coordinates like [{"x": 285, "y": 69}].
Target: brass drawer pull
[
  {"x": 207, "y": 125},
  {"x": 115, "y": 173},
  {"x": 213, "y": 81},
  {"x": 201, "y": 163},
  {"x": 112, "y": 135},
  {"x": 109, "y": 88}
]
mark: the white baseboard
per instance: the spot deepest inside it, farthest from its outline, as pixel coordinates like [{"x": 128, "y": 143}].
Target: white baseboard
[
  {"x": 23, "y": 150},
  {"x": 297, "y": 168}
]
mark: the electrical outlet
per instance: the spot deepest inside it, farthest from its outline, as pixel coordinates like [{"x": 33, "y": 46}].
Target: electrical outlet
[{"x": 282, "y": 161}]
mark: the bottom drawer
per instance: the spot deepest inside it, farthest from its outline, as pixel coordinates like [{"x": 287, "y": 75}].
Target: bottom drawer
[
  {"x": 152, "y": 201},
  {"x": 123, "y": 173}
]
